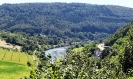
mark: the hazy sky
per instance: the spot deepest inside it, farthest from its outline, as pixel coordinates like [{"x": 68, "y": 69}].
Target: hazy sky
[{"x": 127, "y": 3}]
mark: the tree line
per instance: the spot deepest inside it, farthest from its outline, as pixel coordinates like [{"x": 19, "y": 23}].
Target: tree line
[{"x": 75, "y": 21}]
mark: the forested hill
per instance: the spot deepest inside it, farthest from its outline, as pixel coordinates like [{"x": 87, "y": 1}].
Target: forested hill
[
  {"x": 77, "y": 21},
  {"x": 121, "y": 44},
  {"x": 115, "y": 61}
]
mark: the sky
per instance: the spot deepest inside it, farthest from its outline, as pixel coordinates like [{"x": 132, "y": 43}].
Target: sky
[{"x": 126, "y": 3}]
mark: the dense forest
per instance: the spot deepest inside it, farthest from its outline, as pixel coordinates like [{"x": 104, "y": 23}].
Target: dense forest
[{"x": 70, "y": 21}]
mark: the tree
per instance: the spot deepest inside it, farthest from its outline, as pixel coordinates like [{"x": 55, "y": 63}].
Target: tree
[{"x": 128, "y": 55}]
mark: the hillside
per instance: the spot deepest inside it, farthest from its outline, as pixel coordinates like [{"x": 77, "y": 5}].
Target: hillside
[
  {"x": 37, "y": 27},
  {"x": 114, "y": 62},
  {"x": 70, "y": 21},
  {"x": 14, "y": 56},
  {"x": 122, "y": 47},
  {"x": 123, "y": 32},
  {"x": 14, "y": 65}
]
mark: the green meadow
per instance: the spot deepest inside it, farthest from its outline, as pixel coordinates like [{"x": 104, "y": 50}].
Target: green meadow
[
  {"x": 13, "y": 64},
  {"x": 14, "y": 56},
  {"x": 11, "y": 70}
]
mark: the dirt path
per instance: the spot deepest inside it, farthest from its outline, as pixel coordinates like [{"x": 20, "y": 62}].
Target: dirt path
[{"x": 8, "y": 45}]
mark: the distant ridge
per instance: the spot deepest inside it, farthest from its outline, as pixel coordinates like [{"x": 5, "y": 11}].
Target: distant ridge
[{"x": 77, "y": 21}]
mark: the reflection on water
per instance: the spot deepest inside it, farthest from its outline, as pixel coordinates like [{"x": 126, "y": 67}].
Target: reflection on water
[{"x": 56, "y": 53}]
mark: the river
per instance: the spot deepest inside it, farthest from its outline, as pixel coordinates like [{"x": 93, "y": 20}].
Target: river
[{"x": 56, "y": 53}]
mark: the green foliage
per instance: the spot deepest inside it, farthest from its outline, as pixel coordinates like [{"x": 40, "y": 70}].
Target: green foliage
[
  {"x": 80, "y": 49},
  {"x": 120, "y": 33},
  {"x": 115, "y": 64},
  {"x": 76, "y": 21},
  {"x": 90, "y": 47},
  {"x": 80, "y": 65},
  {"x": 31, "y": 43},
  {"x": 128, "y": 54},
  {"x": 56, "y": 24},
  {"x": 122, "y": 48}
]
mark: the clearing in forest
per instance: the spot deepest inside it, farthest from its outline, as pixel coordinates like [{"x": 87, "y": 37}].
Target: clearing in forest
[{"x": 8, "y": 45}]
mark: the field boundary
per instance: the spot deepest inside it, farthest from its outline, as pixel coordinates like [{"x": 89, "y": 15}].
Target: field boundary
[{"x": 8, "y": 45}]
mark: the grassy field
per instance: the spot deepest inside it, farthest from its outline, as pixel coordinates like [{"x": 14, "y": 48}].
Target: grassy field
[
  {"x": 11, "y": 70},
  {"x": 17, "y": 57},
  {"x": 13, "y": 65}
]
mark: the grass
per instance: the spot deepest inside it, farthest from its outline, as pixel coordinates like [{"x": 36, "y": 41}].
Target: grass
[
  {"x": 1, "y": 55},
  {"x": 14, "y": 56},
  {"x": 11, "y": 70},
  {"x": 11, "y": 67},
  {"x": 8, "y": 56},
  {"x": 78, "y": 49},
  {"x": 23, "y": 58},
  {"x": 31, "y": 59},
  {"x": 13, "y": 64}
]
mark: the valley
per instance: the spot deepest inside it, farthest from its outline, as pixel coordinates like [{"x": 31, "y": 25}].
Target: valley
[{"x": 93, "y": 41}]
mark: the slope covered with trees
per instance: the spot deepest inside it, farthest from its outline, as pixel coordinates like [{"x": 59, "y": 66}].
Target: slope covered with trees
[
  {"x": 76, "y": 21},
  {"x": 114, "y": 62},
  {"x": 121, "y": 43}
]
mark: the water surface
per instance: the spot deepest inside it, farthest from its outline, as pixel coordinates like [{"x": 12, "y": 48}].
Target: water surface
[{"x": 56, "y": 53}]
